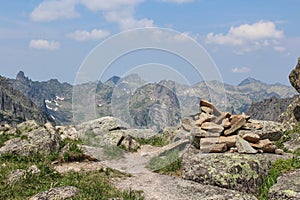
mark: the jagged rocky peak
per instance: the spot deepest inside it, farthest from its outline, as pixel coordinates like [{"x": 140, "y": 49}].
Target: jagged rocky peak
[
  {"x": 21, "y": 76},
  {"x": 248, "y": 81},
  {"x": 114, "y": 79}
]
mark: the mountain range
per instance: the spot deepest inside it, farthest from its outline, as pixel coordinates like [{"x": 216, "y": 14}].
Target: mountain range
[{"x": 145, "y": 104}]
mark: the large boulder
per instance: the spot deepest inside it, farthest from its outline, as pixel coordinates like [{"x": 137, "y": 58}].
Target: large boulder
[
  {"x": 287, "y": 187},
  {"x": 240, "y": 172},
  {"x": 39, "y": 141},
  {"x": 295, "y": 77},
  {"x": 291, "y": 117}
]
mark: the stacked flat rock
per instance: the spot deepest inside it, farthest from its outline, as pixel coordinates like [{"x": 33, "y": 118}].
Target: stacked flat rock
[{"x": 217, "y": 132}]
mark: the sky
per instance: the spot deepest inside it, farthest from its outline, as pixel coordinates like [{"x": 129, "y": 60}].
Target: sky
[{"x": 53, "y": 38}]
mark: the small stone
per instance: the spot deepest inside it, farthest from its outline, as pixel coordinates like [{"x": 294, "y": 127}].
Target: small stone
[
  {"x": 200, "y": 133},
  {"x": 207, "y": 110},
  {"x": 237, "y": 121},
  {"x": 233, "y": 150},
  {"x": 226, "y": 123},
  {"x": 243, "y": 146},
  {"x": 252, "y": 126},
  {"x": 266, "y": 145},
  {"x": 212, "y": 127},
  {"x": 230, "y": 140},
  {"x": 204, "y": 117},
  {"x": 204, "y": 103},
  {"x": 251, "y": 137},
  {"x": 223, "y": 116},
  {"x": 187, "y": 124},
  {"x": 33, "y": 169},
  {"x": 279, "y": 151}
]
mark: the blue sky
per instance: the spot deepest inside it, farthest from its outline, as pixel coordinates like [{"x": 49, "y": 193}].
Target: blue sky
[{"x": 50, "y": 39}]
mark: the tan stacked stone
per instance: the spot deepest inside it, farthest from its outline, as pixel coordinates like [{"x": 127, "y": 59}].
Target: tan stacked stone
[{"x": 218, "y": 132}]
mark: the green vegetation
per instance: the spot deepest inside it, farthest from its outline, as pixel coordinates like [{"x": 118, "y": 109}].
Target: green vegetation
[
  {"x": 91, "y": 185},
  {"x": 286, "y": 136},
  {"x": 157, "y": 141},
  {"x": 169, "y": 164},
  {"x": 278, "y": 167},
  {"x": 73, "y": 151}
]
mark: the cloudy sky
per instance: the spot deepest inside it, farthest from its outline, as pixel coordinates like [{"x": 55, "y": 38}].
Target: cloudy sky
[{"x": 51, "y": 38}]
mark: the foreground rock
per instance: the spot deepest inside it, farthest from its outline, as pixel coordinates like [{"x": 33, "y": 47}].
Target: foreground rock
[
  {"x": 287, "y": 187},
  {"x": 295, "y": 77},
  {"x": 60, "y": 193},
  {"x": 240, "y": 172},
  {"x": 38, "y": 140}
]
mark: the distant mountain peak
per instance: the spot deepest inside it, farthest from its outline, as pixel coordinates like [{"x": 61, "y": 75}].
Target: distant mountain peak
[
  {"x": 21, "y": 76},
  {"x": 114, "y": 79},
  {"x": 248, "y": 81}
]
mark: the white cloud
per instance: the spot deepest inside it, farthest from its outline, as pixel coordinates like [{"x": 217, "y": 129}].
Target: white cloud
[
  {"x": 279, "y": 48},
  {"x": 44, "y": 44},
  {"x": 53, "y": 10},
  {"x": 248, "y": 37},
  {"x": 241, "y": 70},
  {"x": 108, "y": 5},
  {"x": 83, "y": 35},
  {"x": 126, "y": 21}
]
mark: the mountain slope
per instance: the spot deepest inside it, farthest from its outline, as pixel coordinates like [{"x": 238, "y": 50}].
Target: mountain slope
[{"x": 16, "y": 107}]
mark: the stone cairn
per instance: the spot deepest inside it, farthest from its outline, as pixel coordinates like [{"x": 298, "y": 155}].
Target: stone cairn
[{"x": 214, "y": 131}]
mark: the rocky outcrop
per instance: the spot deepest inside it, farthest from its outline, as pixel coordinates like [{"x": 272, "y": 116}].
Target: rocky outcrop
[
  {"x": 233, "y": 171},
  {"x": 217, "y": 132},
  {"x": 295, "y": 77},
  {"x": 269, "y": 109},
  {"x": 19, "y": 174},
  {"x": 32, "y": 140},
  {"x": 67, "y": 192},
  {"x": 287, "y": 186},
  {"x": 291, "y": 117}
]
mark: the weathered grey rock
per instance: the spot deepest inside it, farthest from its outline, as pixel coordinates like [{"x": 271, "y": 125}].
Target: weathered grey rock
[
  {"x": 295, "y": 77},
  {"x": 294, "y": 143},
  {"x": 266, "y": 145},
  {"x": 94, "y": 153},
  {"x": 69, "y": 132},
  {"x": 291, "y": 116},
  {"x": 16, "y": 175},
  {"x": 19, "y": 174},
  {"x": 243, "y": 146},
  {"x": 212, "y": 127},
  {"x": 187, "y": 123},
  {"x": 287, "y": 187},
  {"x": 101, "y": 125},
  {"x": 129, "y": 143},
  {"x": 279, "y": 151},
  {"x": 252, "y": 125},
  {"x": 60, "y": 193},
  {"x": 37, "y": 141},
  {"x": 237, "y": 121},
  {"x": 240, "y": 172},
  {"x": 251, "y": 137},
  {"x": 27, "y": 126}
]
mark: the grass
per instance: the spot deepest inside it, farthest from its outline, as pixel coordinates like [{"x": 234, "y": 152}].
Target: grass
[
  {"x": 278, "y": 167},
  {"x": 158, "y": 141},
  {"x": 169, "y": 164},
  {"x": 91, "y": 185}
]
